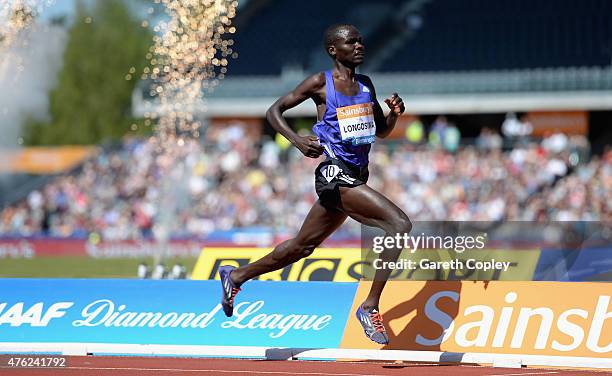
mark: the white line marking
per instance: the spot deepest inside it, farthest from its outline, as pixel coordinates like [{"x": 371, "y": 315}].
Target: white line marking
[
  {"x": 520, "y": 374},
  {"x": 222, "y": 371}
]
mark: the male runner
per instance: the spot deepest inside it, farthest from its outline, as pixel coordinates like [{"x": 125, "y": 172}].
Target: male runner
[{"x": 349, "y": 119}]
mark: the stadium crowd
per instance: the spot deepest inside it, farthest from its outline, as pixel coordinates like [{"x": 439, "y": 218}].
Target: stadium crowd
[{"x": 230, "y": 182}]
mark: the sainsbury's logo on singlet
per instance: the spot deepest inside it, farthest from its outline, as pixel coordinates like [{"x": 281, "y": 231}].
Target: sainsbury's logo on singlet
[{"x": 356, "y": 123}]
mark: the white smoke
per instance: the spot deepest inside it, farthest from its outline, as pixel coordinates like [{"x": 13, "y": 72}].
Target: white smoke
[{"x": 29, "y": 68}]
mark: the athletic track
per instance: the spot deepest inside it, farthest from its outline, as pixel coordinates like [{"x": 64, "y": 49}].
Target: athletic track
[{"x": 153, "y": 366}]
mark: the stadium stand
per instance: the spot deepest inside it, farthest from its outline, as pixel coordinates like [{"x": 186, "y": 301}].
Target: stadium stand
[
  {"x": 232, "y": 183},
  {"x": 443, "y": 35},
  {"x": 274, "y": 40},
  {"x": 487, "y": 35}
]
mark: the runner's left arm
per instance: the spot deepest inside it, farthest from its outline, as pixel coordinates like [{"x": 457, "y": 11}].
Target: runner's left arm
[{"x": 385, "y": 124}]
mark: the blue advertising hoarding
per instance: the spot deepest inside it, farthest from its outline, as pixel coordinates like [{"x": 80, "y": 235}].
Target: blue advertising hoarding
[
  {"x": 582, "y": 265},
  {"x": 275, "y": 314}
]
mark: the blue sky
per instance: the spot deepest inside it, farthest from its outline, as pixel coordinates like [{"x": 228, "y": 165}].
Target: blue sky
[
  {"x": 67, "y": 8},
  {"x": 61, "y": 7}
]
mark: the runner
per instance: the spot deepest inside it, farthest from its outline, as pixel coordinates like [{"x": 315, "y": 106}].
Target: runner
[{"x": 349, "y": 120}]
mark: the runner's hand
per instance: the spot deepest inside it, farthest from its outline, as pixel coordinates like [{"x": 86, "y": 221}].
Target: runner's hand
[
  {"x": 309, "y": 146},
  {"x": 396, "y": 104}
]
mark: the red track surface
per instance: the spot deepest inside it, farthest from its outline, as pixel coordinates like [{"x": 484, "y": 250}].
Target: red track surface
[{"x": 153, "y": 366}]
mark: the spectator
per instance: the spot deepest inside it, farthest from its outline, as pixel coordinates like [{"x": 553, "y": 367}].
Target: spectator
[
  {"x": 488, "y": 139},
  {"x": 436, "y": 134},
  {"x": 415, "y": 132},
  {"x": 451, "y": 138},
  {"x": 555, "y": 142},
  {"x": 516, "y": 129}
]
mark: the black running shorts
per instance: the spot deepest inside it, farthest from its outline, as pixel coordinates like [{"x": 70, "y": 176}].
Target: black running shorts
[{"x": 332, "y": 174}]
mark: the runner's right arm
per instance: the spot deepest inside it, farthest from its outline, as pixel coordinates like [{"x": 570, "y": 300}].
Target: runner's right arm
[{"x": 309, "y": 88}]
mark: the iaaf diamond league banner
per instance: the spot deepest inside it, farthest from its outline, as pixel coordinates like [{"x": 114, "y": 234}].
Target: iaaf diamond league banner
[{"x": 281, "y": 314}]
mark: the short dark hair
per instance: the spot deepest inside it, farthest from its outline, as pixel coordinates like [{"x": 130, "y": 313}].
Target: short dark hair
[{"x": 331, "y": 33}]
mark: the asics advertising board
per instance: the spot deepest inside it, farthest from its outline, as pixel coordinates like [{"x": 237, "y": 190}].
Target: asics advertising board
[
  {"x": 325, "y": 264},
  {"x": 351, "y": 264}
]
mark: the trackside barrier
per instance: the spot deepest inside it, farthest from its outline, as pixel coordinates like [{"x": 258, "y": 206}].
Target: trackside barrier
[{"x": 499, "y": 323}]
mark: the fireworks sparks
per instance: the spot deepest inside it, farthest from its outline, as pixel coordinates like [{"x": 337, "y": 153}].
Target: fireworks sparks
[
  {"x": 16, "y": 16},
  {"x": 16, "y": 26},
  {"x": 191, "y": 52},
  {"x": 189, "y": 56}
]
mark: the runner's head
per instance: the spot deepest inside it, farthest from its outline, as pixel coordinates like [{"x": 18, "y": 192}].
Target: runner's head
[{"x": 343, "y": 43}]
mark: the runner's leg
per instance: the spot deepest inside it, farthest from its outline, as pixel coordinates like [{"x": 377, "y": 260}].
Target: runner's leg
[
  {"x": 318, "y": 225},
  {"x": 371, "y": 208}
]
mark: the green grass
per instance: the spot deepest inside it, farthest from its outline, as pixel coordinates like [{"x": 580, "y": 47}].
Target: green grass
[{"x": 81, "y": 267}]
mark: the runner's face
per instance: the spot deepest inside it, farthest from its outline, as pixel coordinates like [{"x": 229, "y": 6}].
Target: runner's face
[{"x": 349, "y": 47}]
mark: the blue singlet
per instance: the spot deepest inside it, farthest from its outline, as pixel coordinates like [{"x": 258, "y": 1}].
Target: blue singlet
[{"x": 347, "y": 128}]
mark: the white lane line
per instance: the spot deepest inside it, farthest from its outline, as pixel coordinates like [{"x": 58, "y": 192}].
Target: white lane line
[
  {"x": 222, "y": 371},
  {"x": 525, "y": 373}
]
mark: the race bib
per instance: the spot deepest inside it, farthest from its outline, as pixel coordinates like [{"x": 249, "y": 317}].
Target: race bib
[
  {"x": 329, "y": 172},
  {"x": 357, "y": 123}
]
